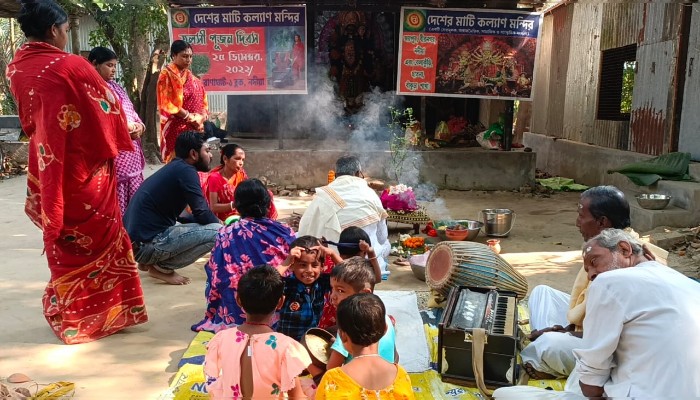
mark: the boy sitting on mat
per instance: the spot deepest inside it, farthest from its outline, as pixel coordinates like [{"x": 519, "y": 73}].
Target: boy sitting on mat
[{"x": 353, "y": 276}]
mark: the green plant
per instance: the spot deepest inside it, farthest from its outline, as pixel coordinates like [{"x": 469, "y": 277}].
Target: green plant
[
  {"x": 399, "y": 145},
  {"x": 200, "y": 64}
]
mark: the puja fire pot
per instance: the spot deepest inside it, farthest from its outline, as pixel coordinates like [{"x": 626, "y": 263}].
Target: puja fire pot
[{"x": 497, "y": 221}]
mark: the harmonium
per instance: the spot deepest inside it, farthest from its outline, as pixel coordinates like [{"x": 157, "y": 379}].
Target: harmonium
[{"x": 475, "y": 308}]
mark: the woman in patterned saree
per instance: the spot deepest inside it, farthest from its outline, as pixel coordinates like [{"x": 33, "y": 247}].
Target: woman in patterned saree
[
  {"x": 129, "y": 164},
  {"x": 75, "y": 126},
  {"x": 253, "y": 240},
  {"x": 181, "y": 99}
]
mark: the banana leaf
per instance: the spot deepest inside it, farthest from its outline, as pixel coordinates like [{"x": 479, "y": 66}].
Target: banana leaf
[
  {"x": 561, "y": 183},
  {"x": 671, "y": 166}
]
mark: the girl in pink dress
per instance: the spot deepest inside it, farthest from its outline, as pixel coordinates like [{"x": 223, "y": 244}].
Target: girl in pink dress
[{"x": 252, "y": 360}]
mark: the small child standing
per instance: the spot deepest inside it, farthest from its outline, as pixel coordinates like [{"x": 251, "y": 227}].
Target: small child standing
[
  {"x": 251, "y": 360},
  {"x": 353, "y": 242},
  {"x": 353, "y": 276},
  {"x": 306, "y": 289},
  {"x": 361, "y": 325}
]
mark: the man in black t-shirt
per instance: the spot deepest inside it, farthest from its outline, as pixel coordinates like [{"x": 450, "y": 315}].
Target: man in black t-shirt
[{"x": 161, "y": 245}]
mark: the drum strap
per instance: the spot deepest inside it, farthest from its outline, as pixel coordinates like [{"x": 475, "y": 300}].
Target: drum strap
[{"x": 478, "y": 341}]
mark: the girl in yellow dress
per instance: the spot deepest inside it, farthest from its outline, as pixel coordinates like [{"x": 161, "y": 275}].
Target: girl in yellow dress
[{"x": 361, "y": 323}]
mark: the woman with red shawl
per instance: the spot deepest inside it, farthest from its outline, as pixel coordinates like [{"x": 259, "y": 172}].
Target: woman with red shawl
[
  {"x": 221, "y": 183},
  {"x": 181, "y": 99},
  {"x": 76, "y": 127}
]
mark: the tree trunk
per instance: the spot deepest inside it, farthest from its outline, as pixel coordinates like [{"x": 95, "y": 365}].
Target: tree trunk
[
  {"x": 148, "y": 104},
  {"x": 138, "y": 62}
]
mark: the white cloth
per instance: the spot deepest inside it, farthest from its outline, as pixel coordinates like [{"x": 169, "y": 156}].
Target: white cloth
[
  {"x": 411, "y": 343},
  {"x": 641, "y": 337},
  {"x": 642, "y": 333},
  {"x": 552, "y": 353},
  {"x": 548, "y": 307},
  {"x": 347, "y": 201}
]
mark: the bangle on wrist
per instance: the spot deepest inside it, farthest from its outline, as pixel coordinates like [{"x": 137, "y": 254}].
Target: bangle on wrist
[
  {"x": 231, "y": 206},
  {"x": 186, "y": 115},
  {"x": 372, "y": 258}
]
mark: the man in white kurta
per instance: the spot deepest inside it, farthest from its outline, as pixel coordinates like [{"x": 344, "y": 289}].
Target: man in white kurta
[
  {"x": 551, "y": 353},
  {"x": 642, "y": 324},
  {"x": 345, "y": 202}
]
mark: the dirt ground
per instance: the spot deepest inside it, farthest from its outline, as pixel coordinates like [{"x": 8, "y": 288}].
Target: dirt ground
[{"x": 140, "y": 362}]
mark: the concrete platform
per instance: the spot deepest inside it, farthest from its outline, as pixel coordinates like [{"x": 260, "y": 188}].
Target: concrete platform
[
  {"x": 306, "y": 164},
  {"x": 588, "y": 164}
]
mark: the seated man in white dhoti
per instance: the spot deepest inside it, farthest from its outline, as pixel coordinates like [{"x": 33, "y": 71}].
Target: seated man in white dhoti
[
  {"x": 641, "y": 325},
  {"x": 348, "y": 201},
  {"x": 556, "y": 317}
]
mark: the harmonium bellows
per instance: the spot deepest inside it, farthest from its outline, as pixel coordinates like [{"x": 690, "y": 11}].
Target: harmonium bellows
[{"x": 467, "y": 309}]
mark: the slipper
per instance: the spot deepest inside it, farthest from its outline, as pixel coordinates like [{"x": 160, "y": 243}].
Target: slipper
[{"x": 535, "y": 374}]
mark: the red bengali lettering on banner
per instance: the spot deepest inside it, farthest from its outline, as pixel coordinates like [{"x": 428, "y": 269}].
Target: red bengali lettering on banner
[
  {"x": 228, "y": 59},
  {"x": 418, "y": 62}
]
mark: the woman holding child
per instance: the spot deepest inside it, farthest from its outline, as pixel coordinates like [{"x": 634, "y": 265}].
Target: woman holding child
[{"x": 254, "y": 240}]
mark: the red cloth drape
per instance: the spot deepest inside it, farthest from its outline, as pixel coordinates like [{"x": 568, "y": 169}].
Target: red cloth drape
[{"x": 76, "y": 127}]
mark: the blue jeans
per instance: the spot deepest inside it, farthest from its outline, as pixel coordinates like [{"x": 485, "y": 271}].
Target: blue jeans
[{"x": 178, "y": 246}]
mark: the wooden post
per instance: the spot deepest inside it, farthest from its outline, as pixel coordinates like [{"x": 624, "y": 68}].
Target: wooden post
[
  {"x": 280, "y": 139},
  {"x": 75, "y": 34},
  {"x": 423, "y": 107},
  {"x": 507, "y": 139}
]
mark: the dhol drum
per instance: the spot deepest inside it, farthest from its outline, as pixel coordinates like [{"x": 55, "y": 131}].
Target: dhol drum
[{"x": 453, "y": 264}]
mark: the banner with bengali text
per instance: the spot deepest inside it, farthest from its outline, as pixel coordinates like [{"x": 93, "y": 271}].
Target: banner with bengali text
[
  {"x": 245, "y": 50},
  {"x": 467, "y": 53}
]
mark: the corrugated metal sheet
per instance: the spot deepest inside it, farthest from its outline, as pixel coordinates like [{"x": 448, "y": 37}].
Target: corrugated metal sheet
[
  {"x": 567, "y": 91},
  {"x": 86, "y": 25},
  {"x": 582, "y": 76},
  {"x": 653, "y": 93},
  {"x": 540, "y": 87},
  {"x": 663, "y": 21},
  {"x": 689, "y": 135},
  {"x": 623, "y": 22},
  {"x": 558, "y": 72},
  {"x": 217, "y": 103}
]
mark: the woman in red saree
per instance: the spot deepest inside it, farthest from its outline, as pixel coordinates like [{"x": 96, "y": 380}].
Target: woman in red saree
[
  {"x": 181, "y": 99},
  {"x": 76, "y": 127},
  {"x": 223, "y": 180}
]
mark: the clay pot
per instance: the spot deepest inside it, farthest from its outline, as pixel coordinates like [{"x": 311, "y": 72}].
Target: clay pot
[{"x": 495, "y": 245}]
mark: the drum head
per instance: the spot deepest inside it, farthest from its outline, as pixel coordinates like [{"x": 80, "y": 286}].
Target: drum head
[{"x": 439, "y": 266}]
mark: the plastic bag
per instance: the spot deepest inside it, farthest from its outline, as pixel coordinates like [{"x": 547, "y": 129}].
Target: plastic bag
[
  {"x": 493, "y": 142},
  {"x": 442, "y": 132}
]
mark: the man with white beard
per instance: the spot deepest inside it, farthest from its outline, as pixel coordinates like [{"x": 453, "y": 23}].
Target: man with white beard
[{"x": 641, "y": 328}]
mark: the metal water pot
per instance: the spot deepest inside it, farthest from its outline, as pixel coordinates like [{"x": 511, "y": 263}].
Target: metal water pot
[{"x": 497, "y": 221}]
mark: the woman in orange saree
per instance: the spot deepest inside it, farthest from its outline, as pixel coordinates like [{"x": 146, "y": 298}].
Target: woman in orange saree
[
  {"x": 223, "y": 180},
  {"x": 182, "y": 101},
  {"x": 76, "y": 127}
]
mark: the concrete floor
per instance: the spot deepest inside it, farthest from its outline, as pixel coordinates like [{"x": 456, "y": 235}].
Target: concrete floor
[{"x": 140, "y": 362}]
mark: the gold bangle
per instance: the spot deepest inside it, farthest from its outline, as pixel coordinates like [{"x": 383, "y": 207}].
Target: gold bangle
[{"x": 373, "y": 258}]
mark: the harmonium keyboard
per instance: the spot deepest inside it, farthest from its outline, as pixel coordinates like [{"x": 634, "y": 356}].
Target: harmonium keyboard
[{"x": 469, "y": 308}]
